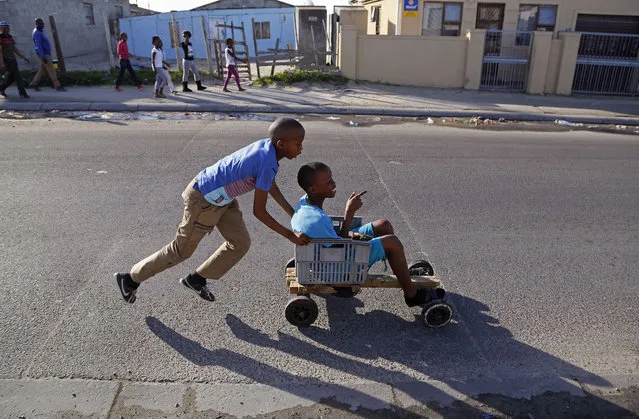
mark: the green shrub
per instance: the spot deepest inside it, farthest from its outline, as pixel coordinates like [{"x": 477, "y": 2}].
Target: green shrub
[
  {"x": 101, "y": 78},
  {"x": 289, "y": 77}
]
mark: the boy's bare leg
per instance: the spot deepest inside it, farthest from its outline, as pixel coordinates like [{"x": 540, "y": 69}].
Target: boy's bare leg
[
  {"x": 397, "y": 259},
  {"x": 382, "y": 227}
]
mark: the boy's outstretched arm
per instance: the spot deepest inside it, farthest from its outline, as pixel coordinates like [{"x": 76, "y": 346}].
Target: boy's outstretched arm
[
  {"x": 352, "y": 205},
  {"x": 259, "y": 210},
  {"x": 279, "y": 198}
]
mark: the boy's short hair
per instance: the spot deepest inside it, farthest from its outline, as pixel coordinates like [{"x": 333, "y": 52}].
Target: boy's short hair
[
  {"x": 187, "y": 33},
  {"x": 229, "y": 40},
  {"x": 155, "y": 38},
  {"x": 306, "y": 174},
  {"x": 123, "y": 34},
  {"x": 282, "y": 125}
]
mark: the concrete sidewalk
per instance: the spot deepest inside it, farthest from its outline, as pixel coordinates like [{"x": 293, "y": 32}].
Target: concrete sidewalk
[
  {"x": 352, "y": 98},
  {"x": 71, "y": 398}
]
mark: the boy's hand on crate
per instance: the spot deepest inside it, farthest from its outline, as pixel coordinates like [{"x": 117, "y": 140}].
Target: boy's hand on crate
[{"x": 299, "y": 239}]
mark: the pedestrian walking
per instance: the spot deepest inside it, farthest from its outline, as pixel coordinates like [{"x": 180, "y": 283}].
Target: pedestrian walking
[
  {"x": 43, "y": 49},
  {"x": 9, "y": 62},
  {"x": 188, "y": 64},
  {"x": 125, "y": 63},
  {"x": 209, "y": 202},
  {"x": 229, "y": 54},
  {"x": 157, "y": 65}
]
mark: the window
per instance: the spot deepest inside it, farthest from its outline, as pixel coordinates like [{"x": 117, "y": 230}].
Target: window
[
  {"x": 375, "y": 17},
  {"x": 490, "y": 16},
  {"x": 537, "y": 18},
  {"x": 88, "y": 13},
  {"x": 262, "y": 30},
  {"x": 119, "y": 12},
  {"x": 442, "y": 19}
]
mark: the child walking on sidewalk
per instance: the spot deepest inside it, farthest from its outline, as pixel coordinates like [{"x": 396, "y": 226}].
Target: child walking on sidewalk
[
  {"x": 229, "y": 54},
  {"x": 189, "y": 65},
  {"x": 157, "y": 65},
  {"x": 125, "y": 63},
  {"x": 209, "y": 202}
]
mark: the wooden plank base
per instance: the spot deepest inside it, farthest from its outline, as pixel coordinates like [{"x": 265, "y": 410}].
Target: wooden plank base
[{"x": 373, "y": 281}]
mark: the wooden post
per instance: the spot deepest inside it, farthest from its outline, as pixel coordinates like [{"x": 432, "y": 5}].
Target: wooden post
[
  {"x": 58, "y": 48},
  {"x": 176, "y": 37},
  {"x": 314, "y": 47},
  {"x": 296, "y": 29},
  {"x": 207, "y": 44},
  {"x": 246, "y": 50},
  {"x": 277, "y": 45},
  {"x": 107, "y": 31},
  {"x": 257, "y": 56}
]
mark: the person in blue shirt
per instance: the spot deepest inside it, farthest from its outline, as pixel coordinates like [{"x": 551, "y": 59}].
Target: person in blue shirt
[
  {"x": 43, "y": 49},
  {"x": 209, "y": 202},
  {"x": 316, "y": 179}
]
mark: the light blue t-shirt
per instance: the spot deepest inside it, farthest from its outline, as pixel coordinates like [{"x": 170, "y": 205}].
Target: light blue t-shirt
[
  {"x": 316, "y": 224},
  {"x": 312, "y": 221},
  {"x": 253, "y": 166}
]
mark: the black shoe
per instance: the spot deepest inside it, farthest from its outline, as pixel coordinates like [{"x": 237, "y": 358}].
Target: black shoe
[
  {"x": 420, "y": 298},
  {"x": 61, "y": 89},
  {"x": 199, "y": 86},
  {"x": 24, "y": 96},
  {"x": 128, "y": 293},
  {"x": 2, "y": 93},
  {"x": 202, "y": 291},
  {"x": 185, "y": 87}
]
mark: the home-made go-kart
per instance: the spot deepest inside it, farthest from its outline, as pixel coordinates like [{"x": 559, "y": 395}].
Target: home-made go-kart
[{"x": 340, "y": 267}]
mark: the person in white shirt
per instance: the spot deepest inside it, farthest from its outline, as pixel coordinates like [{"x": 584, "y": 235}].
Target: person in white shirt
[
  {"x": 157, "y": 64},
  {"x": 229, "y": 54},
  {"x": 162, "y": 68}
]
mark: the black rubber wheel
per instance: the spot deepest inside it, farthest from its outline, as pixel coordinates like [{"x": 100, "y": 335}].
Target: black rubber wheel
[
  {"x": 301, "y": 311},
  {"x": 421, "y": 267},
  {"x": 437, "y": 314},
  {"x": 289, "y": 264}
]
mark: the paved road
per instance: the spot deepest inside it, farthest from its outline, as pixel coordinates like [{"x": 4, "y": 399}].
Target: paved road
[{"x": 535, "y": 235}]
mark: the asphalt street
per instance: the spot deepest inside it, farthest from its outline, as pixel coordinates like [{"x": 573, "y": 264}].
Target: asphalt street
[{"x": 535, "y": 236}]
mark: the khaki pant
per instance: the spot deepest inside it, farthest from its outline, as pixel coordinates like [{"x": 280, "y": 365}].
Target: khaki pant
[
  {"x": 200, "y": 217},
  {"x": 48, "y": 68}
]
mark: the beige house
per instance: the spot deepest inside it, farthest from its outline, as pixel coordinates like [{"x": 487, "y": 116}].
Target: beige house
[{"x": 538, "y": 46}]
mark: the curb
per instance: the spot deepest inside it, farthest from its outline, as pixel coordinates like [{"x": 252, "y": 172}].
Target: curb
[{"x": 300, "y": 109}]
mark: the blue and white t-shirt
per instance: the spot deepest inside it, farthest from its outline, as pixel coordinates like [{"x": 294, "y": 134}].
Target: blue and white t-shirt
[{"x": 254, "y": 166}]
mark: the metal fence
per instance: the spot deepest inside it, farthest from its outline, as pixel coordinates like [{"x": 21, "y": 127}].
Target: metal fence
[
  {"x": 506, "y": 60},
  {"x": 607, "y": 64}
]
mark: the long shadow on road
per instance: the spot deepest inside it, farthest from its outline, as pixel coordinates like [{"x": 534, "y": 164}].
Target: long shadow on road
[{"x": 382, "y": 335}]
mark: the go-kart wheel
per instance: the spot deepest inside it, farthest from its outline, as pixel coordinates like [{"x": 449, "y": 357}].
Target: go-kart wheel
[
  {"x": 301, "y": 311},
  {"x": 421, "y": 267},
  {"x": 437, "y": 314},
  {"x": 290, "y": 264}
]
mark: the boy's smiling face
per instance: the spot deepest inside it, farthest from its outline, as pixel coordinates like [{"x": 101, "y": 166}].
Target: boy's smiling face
[{"x": 323, "y": 184}]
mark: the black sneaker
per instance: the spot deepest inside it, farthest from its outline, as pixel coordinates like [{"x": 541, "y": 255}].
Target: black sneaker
[
  {"x": 419, "y": 299},
  {"x": 128, "y": 293},
  {"x": 202, "y": 291},
  {"x": 2, "y": 93}
]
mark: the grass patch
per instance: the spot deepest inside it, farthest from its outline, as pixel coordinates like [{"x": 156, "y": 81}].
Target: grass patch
[
  {"x": 102, "y": 78},
  {"x": 289, "y": 77}
]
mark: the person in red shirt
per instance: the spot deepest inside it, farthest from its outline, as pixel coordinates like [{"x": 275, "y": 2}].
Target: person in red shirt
[{"x": 125, "y": 63}]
